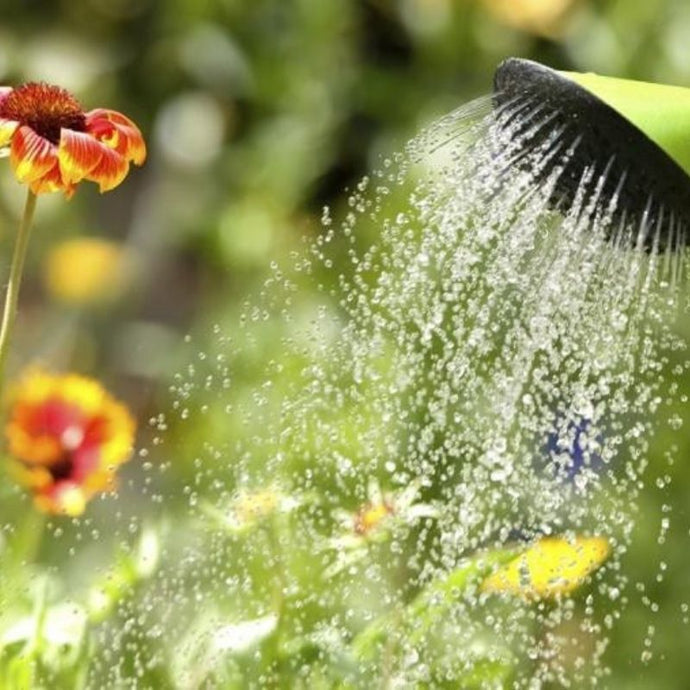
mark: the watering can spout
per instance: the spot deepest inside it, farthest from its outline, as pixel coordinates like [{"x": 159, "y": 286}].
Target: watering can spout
[
  {"x": 634, "y": 135},
  {"x": 660, "y": 111}
]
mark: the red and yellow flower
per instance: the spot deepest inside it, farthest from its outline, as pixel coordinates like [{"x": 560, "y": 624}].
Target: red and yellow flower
[
  {"x": 68, "y": 436},
  {"x": 54, "y": 145}
]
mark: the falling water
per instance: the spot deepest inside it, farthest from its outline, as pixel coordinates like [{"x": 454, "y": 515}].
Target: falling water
[{"x": 500, "y": 355}]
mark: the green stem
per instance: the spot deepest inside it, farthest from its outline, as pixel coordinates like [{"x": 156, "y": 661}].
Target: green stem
[
  {"x": 278, "y": 566},
  {"x": 12, "y": 295},
  {"x": 22, "y": 547}
]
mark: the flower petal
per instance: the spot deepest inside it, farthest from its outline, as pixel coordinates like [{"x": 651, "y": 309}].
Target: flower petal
[
  {"x": 63, "y": 497},
  {"x": 79, "y": 153},
  {"x": 7, "y": 130},
  {"x": 110, "y": 116},
  {"x": 136, "y": 148},
  {"x": 31, "y": 155},
  {"x": 32, "y": 477},
  {"x": 86, "y": 425},
  {"x": 110, "y": 172},
  {"x": 5, "y": 91},
  {"x": 52, "y": 182},
  {"x": 118, "y": 132}
]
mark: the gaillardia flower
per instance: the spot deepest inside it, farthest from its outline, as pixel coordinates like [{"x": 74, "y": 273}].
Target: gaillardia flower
[
  {"x": 54, "y": 145},
  {"x": 376, "y": 521},
  {"x": 68, "y": 436}
]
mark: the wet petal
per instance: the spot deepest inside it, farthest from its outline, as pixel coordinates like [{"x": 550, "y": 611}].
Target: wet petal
[
  {"x": 31, "y": 155},
  {"x": 110, "y": 172},
  {"x": 7, "y": 130},
  {"x": 79, "y": 153}
]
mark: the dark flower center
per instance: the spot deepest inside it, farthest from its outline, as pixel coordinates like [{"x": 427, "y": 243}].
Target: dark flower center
[
  {"x": 63, "y": 468},
  {"x": 44, "y": 108}
]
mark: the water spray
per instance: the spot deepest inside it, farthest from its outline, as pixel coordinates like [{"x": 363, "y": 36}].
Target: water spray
[{"x": 631, "y": 137}]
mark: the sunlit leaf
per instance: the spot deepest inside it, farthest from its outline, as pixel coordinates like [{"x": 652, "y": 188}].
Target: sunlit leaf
[{"x": 551, "y": 566}]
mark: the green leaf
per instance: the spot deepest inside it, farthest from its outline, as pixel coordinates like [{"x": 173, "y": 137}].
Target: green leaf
[{"x": 421, "y": 614}]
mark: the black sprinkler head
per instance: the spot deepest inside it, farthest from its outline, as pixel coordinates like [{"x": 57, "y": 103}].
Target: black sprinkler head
[{"x": 652, "y": 191}]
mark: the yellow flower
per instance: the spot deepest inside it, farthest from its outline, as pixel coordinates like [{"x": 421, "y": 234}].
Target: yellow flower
[
  {"x": 251, "y": 508},
  {"x": 381, "y": 511},
  {"x": 254, "y": 506},
  {"x": 371, "y": 515},
  {"x": 86, "y": 270},
  {"x": 375, "y": 521},
  {"x": 551, "y": 566},
  {"x": 68, "y": 437},
  {"x": 540, "y": 17}
]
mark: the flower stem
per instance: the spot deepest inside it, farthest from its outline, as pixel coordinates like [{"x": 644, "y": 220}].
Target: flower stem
[{"x": 12, "y": 295}]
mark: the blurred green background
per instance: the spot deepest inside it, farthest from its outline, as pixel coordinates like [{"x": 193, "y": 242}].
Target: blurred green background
[{"x": 257, "y": 114}]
